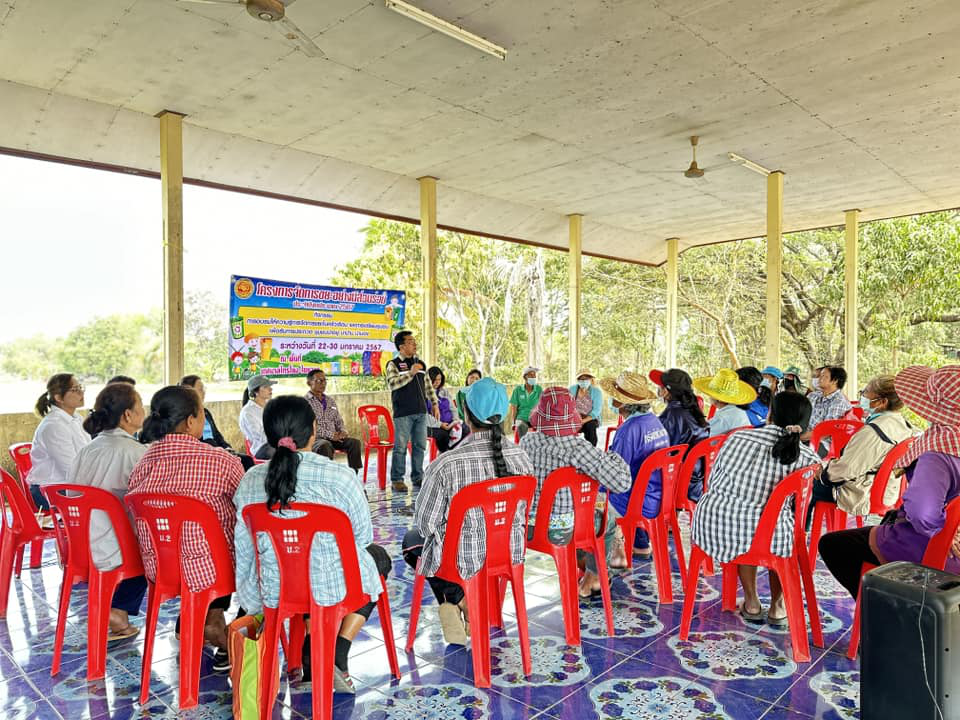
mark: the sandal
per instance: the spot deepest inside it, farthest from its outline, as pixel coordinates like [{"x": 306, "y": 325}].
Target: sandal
[
  {"x": 777, "y": 622},
  {"x": 123, "y": 633},
  {"x": 750, "y": 617}
]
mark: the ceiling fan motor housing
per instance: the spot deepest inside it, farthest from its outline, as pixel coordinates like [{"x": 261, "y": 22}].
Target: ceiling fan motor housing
[{"x": 266, "y": 10}]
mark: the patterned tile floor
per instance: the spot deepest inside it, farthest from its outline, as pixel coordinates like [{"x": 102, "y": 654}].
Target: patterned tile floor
[{"x": 728, "y": 669}]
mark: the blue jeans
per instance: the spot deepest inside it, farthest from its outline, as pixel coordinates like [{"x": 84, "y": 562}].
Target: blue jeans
[{"x": 409, "y": 429}]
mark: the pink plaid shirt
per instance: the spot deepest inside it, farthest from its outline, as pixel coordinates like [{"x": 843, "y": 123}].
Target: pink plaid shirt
[{"x": 182, "y": 465}]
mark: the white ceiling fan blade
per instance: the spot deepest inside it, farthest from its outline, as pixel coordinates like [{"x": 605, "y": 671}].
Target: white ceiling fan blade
[
  {"x": 294, "y": 34},
  {"x": 216, "y": 2}
]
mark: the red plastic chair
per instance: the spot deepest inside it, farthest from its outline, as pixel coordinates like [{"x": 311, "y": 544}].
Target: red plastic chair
[
  {"x": 882, "y": 479},
  {"x": 935, "y": 556},
  {"x": 256, "y": 460},
  {"x": 164, "y": 517},
  {"x": 20, "y": 528},
  {"x": 706, "y": 450},
  {"x": 795, "y": 572},
  {"x": 497, "y": 499},
  {"x": 370, "y": 417},
  {"x": 667, "y": 461},
  {"x": 292, "y": 539},
  {"x": 74, "y": 503},
  {"x": 20, "y": 453},
  {"x": 856, "y": 413},
  {"x": 611, "y": 431},
  {"x": 838, "y": 432},
  {"x": 583, "y": 489}
]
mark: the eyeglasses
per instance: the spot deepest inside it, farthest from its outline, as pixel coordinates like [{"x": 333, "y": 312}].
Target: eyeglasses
[{"x": 76, "y": 388}]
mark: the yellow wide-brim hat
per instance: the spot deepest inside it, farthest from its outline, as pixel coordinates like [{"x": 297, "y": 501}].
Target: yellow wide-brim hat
[
  {"x": 726, "y": 387},
  {"x": 629, "y": 388}
]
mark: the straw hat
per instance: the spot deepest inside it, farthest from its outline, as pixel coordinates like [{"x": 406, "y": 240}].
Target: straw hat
[
  {"x": 726, "y": 387},
  {"x": 933, "y": 394},
  {"x": 628, "y": 388},
  {"x": 585, "y": 373}
]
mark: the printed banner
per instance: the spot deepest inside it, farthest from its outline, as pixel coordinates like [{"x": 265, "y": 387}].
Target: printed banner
[{"x": 282, "y": 328}]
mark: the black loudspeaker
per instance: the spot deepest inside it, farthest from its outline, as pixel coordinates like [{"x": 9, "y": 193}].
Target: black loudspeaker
[{"x": 910, "y": 644}]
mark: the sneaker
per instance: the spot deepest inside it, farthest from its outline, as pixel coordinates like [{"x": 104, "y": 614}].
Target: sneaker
[
  {"x": 221, "y": 661},
  {"x": 342, "y": 682},
  {"x": 451, "y": 623},
  {"x": 399, "y": 486}
]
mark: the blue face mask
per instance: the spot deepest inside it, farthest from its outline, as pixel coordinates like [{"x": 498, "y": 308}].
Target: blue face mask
[
  {"x": 766, "y": 383},
  {"x": 583, "y": 384},
  {"x": 532, "y": 382},
  {"x": 865, "y": 404}
]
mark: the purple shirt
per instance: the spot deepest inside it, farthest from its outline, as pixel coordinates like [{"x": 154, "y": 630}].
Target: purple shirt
[
  {"x": 934, "y": 481},
  {"x": 640, "y": 435}
]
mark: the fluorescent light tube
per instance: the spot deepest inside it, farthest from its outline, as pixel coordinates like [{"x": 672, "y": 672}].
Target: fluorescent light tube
[
  {"x": 435, "y": 23},
  {"x": 749, "y": 164}
]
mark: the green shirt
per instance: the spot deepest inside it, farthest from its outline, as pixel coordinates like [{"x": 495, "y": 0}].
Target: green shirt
[{"x": 525, "y": 401}]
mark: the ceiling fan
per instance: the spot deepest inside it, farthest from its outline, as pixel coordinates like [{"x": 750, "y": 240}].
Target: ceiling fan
[
  {"x": 274, "y": 12},
  {"x": 694, "y": 171}
]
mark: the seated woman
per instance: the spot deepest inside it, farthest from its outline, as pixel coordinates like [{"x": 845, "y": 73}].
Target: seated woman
[
  {"x": 472, "y": 377},
  {"x": 255, "y": 397},
  {"x": 933, "y": 468},
  {"x": 211, "y": 433},
  {"x": 683, "y": 418},
  {"x": 641, "y": 434},
  {"x": 556, "y": 444},
  {"x": 443, "y": 430},
  {"x": 589, "y": 405},
  {"x": 758, "y": 410},
  {"x": 59, "y": 436},
  {"x": 482, "y": 456},
  {"x": 297, "y": 475},
  {"x": 726, "y": 392},
  {"x": 177, "y": 463},
  {"x": 106, "y": 463},
  {"x": 748, "y": 467},
  {"x": 847, "y": 481}
]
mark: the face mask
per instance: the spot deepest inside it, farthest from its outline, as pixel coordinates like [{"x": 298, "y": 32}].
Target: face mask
[
  {"x": 865, "y": 404},
  {"x": 532, "y": 382},
  {"x": 766, "y": 383},
  {"x": 583, "y": 384},
  {"x": 816, "y": 383}
]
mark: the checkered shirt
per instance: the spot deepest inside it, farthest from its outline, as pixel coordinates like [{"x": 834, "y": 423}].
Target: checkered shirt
[
  {"x": 828, "y": 407},
  {"x": 470, "y": 462},
  {"x": 182, "y": 465},
  {"x": 743, "y": 477},
  {"x": 548, "y": 453},
  {"x": 329, "y": 420}
]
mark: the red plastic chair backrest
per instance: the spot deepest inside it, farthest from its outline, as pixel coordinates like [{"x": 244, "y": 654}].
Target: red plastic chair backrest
[
  {"x": 668, "y": 461},
  {"x": 497, "y": 499},
  {"x": 706, "y": 450},
  {"x": 292, "y": 538},
  {"x": 22, "y": 518},
  {"x": 20, "y": 452},
  {"x": 856, "y": 413},
  {"x": 370, "y": 417},
  {"x": 74, "y": 504},
  {"x": 165, "y": 516},
  {"x": 796, "y": 485},
  {"x": 938, "y": 549},
  {"x": 582, "y": 488},
  {"x": 839, "y": 432},
  {"x": 882, "y": 478}
]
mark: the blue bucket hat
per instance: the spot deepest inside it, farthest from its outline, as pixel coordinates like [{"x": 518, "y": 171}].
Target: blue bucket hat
[
  {"x": 486, "y": 399},
  {"x": 771, "y": 370}
]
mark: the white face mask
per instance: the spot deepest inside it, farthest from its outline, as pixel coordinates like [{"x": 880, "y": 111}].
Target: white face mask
[
  {"x": 816, "y": 383},
  {"x": 766, "y": 383},
  {"x": 532, "y": 381},
  {"x": 583, "y": 383}
]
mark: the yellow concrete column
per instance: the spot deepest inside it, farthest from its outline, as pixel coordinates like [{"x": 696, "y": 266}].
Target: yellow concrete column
[
  {"x": 428, "y": 251},
  {"x": 673, "y": 282},
  {"x": 573, "y": 267},
  {"x": 851, "y": 301},
  {"x": 774, "y": 265},
  {"x": 171, "y": 188}
]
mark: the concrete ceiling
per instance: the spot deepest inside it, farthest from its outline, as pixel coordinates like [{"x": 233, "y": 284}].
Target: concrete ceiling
[{"x": 855, "y": 100}]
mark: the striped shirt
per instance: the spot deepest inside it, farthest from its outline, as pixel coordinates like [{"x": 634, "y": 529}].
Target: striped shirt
[
  {"x": 182, "y": 465},
  {"x": 743, "y": 477},
  {"x": 547, "y": 453},
  {"x": 470, "y": 462},
  {"x": 321, "y": 481}
]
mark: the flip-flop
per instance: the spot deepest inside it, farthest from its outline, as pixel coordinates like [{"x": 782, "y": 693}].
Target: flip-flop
[
  {"x": 754, "y": 618},
  {"x": 777, "y": 622},
  {"x": 122, "y": 634}
]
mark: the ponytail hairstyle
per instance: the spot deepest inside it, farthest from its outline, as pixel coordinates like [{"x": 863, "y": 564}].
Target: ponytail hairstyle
[
  {"x": 680, "y": 386},
  {"x": 288, "y": 422},
  {"x": 169, "y": 407},
  {"x": 791, "y": 412},
  {"x": 246, "y": 397},
  {"x": 58, "y": 384},
  {"x": 112, "y": 402},
  {"x": 492, "y": 424}
]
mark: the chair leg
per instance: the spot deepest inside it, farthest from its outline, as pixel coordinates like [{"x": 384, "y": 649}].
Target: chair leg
[
  {"x": 324, "y": 626},
  {"x": 810, "y": 593},
  {"x": 629, "y": 531},
  {"x": 497, "y": 590},
  {"x": 271, "y": 630},
  {"x": 477, "y": 597},
  {"x": 366, "y": 463},
  {"x": 816, "y": 530},
  {"x": 728, "y": 584},
  {"x": 678, "y": 545},
  {"x": 150, "y": 632},
  {"x": 661, "y": 560},
  {"x": 386, "y": 624},
  {"x": 417, "y": 599},
  {"x": 7, "y": 542},
  {"x": 18, "y": 565},
  {"x": 603, "y": 575},
  {"x": 708, "y": 568},
  {"x": 855, "y": 631},
  {"x": 66, "y": 588},
  {"x": 523, "y": 630},
  {"x": 859, "y": 521},
  {"x": 36, "y": 553},
  {"x": 697, "y": 558},
  {"x": 382, "y": 467},
  {"x": 564, "y": 556},
  {"x": 193, "y": 615},
  {"x": 294, "y": 646},
  {"x": 99, "y": 594},
  {"x": 793, "y": 599}
]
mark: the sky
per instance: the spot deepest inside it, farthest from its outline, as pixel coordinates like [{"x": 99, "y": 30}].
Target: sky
[{"x": 81, "y": 243}]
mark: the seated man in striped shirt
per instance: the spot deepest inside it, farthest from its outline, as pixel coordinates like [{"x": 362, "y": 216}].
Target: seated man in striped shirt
[{"x": 331, "y": 433}]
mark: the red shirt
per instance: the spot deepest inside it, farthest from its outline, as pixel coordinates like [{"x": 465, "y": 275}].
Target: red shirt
[{"x": 182, "y": 465}]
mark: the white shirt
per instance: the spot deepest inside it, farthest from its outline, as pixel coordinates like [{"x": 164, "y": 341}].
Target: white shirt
[
  {"x": 727, "y": 418},
  {"x": 106, "y": 464},
  {"x": 251, "y": 425},
  {"x": 58, "y": 439}
]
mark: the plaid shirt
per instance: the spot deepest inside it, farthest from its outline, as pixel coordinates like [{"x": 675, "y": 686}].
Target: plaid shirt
[
  {"x": 329, "y": 421},
  {"x": 182, "y": 465},
  {"x": 470, "y": 462},
  {"x": 743, "y": 477},
  {"x": 547, "y": 453},
  {"x": 827, "y": 407},
  {"x": 322, "y": 481}
]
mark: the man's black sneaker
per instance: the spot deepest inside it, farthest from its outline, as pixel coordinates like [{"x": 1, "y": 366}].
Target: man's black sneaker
[{"x": 221, "y": 661}]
